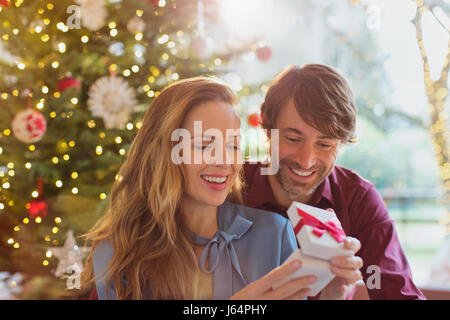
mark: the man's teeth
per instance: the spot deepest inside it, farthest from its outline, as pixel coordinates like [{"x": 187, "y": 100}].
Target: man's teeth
[
  {"x": 214, "y": 179},
  {"x": 302, "y": 173}
]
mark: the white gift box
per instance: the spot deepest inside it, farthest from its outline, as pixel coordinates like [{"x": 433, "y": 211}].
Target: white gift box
[
  {"x": 310, "y": 266},
  {"x": 324, "y": 247},
  {"x": 317, "y": 246}
]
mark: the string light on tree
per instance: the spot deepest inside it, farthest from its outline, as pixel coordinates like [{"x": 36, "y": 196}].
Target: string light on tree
[{"x": 437, "y": 95}]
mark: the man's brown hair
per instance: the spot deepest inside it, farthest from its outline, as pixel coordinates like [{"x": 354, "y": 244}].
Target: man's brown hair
[{"x": 321, "y": 96}]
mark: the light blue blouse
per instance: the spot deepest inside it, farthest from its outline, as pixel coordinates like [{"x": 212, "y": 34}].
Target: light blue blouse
[{"x": 249, "y": 243}]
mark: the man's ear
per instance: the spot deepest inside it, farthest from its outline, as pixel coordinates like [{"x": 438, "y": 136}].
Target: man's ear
[{"x": 340, "y": 147}]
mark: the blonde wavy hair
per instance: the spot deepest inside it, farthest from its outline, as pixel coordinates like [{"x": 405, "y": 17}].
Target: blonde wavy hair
[{"x": 152, "y": 248}]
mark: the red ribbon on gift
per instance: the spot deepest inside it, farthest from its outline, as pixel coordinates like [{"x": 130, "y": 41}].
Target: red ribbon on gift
[{"x": 319, "y": 227}]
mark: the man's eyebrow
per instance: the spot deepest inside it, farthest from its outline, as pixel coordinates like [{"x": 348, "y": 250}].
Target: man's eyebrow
[
  {"x": 298, "y": 132},
  {"x": 326, "y": 137},
  {"x": 293, "y": 130}
]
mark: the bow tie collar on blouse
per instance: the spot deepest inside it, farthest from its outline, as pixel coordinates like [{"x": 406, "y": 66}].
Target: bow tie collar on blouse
[{"x": 220, "y": 253}]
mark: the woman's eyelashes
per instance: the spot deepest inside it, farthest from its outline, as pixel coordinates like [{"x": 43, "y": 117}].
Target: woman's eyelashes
[
  {"x": 202, "y": 147},
  {"x": 235, "y": 147}
]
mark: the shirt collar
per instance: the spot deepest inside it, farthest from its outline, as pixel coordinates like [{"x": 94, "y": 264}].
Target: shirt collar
[
  {"x": 260, "y": 191},
  {"x": 323, "y": 191},
  {"x": 219, "y": 253},
  {"x": 231, "y": 225}
]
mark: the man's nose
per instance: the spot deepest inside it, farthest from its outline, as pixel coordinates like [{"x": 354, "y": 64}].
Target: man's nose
[{"x": 306, "y": 156}]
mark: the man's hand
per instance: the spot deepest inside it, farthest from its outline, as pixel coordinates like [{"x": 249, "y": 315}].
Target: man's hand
[{"x": 347, "y": 272}]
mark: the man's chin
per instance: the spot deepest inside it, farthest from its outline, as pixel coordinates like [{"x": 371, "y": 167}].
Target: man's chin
[{"x": 296, "y": 191}]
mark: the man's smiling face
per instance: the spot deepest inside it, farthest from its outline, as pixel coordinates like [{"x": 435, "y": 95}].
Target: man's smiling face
[{"x": 306, "y": 155}]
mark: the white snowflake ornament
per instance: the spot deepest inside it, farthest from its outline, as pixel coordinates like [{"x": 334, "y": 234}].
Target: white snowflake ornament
[
  {"x": 93, "y": 13},
  {"x": 113, "y": 100}
]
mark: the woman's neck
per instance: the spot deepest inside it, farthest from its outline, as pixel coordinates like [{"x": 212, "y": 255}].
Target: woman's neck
[{"x": 200, "y": 219}]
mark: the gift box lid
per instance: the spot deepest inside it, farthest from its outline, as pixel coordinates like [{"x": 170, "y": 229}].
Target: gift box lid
[{"x": 320, "y": 235}]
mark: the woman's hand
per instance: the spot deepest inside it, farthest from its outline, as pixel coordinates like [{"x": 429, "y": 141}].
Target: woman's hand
[
  {"x": 347, "y": 273},
  {"x": 262, "y": 289}
]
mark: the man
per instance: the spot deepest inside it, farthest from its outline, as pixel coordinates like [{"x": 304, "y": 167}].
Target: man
[{"x": 313, "y": 107}]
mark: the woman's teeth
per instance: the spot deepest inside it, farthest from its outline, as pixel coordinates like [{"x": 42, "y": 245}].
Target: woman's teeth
[
  {"x": 214, "y": 179},
  {"x": 302, "y": 173}
]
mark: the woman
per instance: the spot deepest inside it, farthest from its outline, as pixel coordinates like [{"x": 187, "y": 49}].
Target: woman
[{"x": 177, "y": 231}]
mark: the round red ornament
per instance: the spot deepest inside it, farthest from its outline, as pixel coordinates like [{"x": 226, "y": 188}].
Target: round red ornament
[
  {"x": 4, "y": 3},
  {"x": 38, "y": 207},
  {"x": 253, "y": 119},
  {"x": 29, "y": 126},
  {"x": 264, "y": 53},
  {"x": 67, "y": 83}
]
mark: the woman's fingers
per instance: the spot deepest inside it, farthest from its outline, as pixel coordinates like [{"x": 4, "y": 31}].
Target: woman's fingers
[
  {"x": 292, "y": 287},
  {"x": 276, "y": 275},
  {"x": 302, "y": 294},
  {"x": 262, "y": 289}
]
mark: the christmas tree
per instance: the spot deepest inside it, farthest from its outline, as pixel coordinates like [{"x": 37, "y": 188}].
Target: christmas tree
[{"x": 76, "y": 79}]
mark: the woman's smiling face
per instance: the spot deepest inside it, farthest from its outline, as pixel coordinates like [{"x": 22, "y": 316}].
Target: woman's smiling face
[{"x": 209, "y": 181}]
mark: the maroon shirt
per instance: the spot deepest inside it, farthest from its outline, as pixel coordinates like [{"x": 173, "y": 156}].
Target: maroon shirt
[{"x": 363, "y": 215}]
